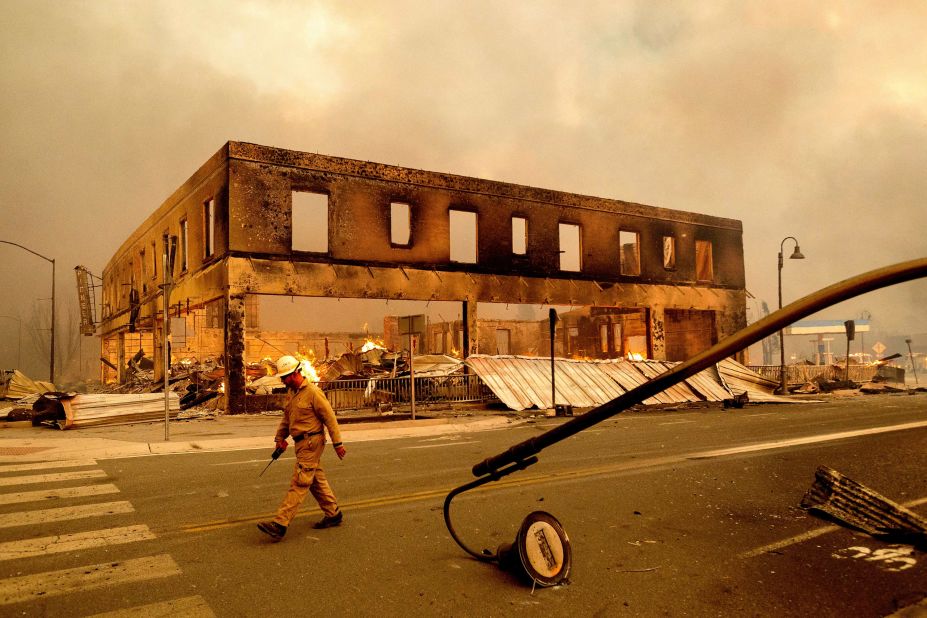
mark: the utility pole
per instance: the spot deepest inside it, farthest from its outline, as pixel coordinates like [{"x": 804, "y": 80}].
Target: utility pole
[{"x": 167, "y": 261}]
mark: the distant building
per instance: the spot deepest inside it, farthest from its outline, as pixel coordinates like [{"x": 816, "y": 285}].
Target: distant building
[{"x": 259, "y": 220}]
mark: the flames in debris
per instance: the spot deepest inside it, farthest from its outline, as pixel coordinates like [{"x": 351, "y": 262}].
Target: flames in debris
[
  {"x": 372, "y": 344},
  {"x": 306, "y": 366}
]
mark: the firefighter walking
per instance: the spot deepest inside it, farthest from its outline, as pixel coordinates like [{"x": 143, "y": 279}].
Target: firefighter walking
[{"x": 306, "y": 417}]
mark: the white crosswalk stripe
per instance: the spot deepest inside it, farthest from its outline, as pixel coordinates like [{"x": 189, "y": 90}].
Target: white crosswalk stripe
[
  {"x": 29, "y": 548},
  {"x": 12, "y": 481},
  {"x": 44, "y": 516},
  {"x": 58, "y": 494},
  {"x": 44, "y": 465},
  {"x": 68, "y": 581},
  {"x": 188, "y": 607},
  {"x": 42, "y": 586}
]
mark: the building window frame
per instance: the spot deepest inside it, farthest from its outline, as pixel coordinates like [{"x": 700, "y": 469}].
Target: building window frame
[
  {"x": 400, "y": 221},
  {"x": 669, "y": 252},
  {"x": 704, "y": 261},
  {"x": 209, "y": 228},
  {"x": 629, "y": 252}
]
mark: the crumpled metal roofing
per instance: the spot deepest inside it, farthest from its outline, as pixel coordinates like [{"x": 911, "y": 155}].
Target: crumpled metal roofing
[
  {"x": 523, "y": 382},
  {"x": 116, "y": 409}
]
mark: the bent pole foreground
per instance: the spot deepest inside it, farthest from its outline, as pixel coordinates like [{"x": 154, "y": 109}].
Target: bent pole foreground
[{"x": 522, "y": 454}]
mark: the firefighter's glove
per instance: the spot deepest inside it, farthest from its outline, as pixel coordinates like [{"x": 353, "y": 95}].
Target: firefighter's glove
[
  {"x": 281, "y": 444},
  {"x": 339, "y": 450}
]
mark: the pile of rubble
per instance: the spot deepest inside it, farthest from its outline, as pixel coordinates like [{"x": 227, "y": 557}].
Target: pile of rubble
[{"x": 370, "y": 362}]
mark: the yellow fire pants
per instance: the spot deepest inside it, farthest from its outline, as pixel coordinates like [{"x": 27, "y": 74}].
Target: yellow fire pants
[{"x": 308, "y": 477}]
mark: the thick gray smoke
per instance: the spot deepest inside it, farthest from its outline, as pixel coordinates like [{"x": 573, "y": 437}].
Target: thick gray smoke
[{"x": 802, "y": 119}]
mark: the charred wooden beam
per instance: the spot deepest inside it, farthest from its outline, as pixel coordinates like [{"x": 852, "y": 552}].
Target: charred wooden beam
[{"x": 843, "y": 499}]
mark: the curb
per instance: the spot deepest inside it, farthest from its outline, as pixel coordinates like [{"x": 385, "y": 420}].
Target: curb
[{"x": 70, "y": 446}]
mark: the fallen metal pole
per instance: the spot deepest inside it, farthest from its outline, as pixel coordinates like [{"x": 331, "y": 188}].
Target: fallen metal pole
[{"x": 848, "y": 288}]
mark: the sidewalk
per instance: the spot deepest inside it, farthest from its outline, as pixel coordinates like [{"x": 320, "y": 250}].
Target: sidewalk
[{"x": 21, "y": 442}]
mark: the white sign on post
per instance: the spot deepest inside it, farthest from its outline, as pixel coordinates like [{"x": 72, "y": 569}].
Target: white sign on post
[{"x": 878, "y": 348}]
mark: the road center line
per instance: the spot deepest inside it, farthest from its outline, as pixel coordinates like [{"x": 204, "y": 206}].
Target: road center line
[{"x": 552, "y": 477}]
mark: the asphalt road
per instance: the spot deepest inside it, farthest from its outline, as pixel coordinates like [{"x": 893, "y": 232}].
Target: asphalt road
[{"x": 682, "y": 513}]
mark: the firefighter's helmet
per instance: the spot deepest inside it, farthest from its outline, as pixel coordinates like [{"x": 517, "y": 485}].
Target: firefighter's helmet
[{"x": 286, "y": 365}]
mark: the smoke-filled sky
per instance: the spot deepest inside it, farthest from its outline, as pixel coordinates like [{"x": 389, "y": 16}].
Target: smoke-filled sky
[{"x": 799, "y": 118}]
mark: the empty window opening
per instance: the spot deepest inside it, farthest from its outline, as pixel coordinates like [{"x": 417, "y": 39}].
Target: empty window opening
[
  {"x": 519, "y": 235},
  {"x": 463, "y": 236},
  {"x": 400, "y": 223},
  {"x": 503, "y": 341},
  {"x": 154, "y": 261},
  {"x": 570, "y": 247},
  {"x": 669, "y": 252},
  {"x": 630, "y": 253},
  {"x": 310, "y": 222},
  {"x": 184, "y": 228},
  {"x": 209, "y": 228},
  {"x": 143, "y": 266},
  {"x": 704, "y": 269}
]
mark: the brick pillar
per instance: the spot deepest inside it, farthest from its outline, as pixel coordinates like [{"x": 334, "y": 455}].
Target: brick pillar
[
  {"x": 471, "y": 332},
  {"x": 657, "y": 330},
  {"x": 235, "y": 353}
]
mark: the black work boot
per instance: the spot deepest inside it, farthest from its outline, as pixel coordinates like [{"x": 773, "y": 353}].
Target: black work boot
[
  {"x": 329, "y": 522},
  {"x": 273, "y": 529}
]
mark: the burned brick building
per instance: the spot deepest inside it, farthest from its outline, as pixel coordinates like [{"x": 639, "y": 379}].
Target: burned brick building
[{"x": 256, "y": 220}]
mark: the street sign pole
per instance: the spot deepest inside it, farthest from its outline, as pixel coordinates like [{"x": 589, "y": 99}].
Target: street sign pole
[{"x": 412, "y": 371}]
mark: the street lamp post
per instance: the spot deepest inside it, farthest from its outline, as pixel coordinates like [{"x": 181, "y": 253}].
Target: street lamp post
[
  {"x": 19, "y": 347},
  {"x": 911, "y": 356},
  {"x": 51, "y": 362},
  {"x": 796, "y": 255}
]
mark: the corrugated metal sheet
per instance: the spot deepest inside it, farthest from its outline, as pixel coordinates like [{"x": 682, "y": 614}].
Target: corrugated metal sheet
[
  {"x": 708, "y": 384},
  {"x": 21, "y": 385},
  {"x": 678, "y": 392},
  {"x": 116, "y": 409},
  {"x": 427, "y": 365},
  {"x": 522, "y": 382},
  {"x": 738, "y": 378}
]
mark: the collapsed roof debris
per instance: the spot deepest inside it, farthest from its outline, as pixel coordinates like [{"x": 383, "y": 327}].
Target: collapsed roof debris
[
  {"x": 72, "y": 411},
  {"x": 17, "y": 385},
  {"x": 523, "y": 382}
]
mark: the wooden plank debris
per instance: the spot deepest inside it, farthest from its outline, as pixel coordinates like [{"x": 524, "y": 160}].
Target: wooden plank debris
[{"x": 845, "y": 500}]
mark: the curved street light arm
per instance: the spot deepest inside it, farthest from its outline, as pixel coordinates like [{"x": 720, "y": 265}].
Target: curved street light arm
[
  {"x": 485, "y": 555},
  {"x": 47, "y": 259},
  {"x": 782, "y": 244}
]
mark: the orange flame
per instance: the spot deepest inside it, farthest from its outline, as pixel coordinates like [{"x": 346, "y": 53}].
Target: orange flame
[
  {"x": 306, "y": 367},
  {"x": 372, "y": 344}
]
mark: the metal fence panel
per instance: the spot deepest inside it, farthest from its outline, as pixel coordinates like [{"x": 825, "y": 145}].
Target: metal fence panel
[
  {"x": 800, "y": 374},
  {"x": 377, "y": 392}
]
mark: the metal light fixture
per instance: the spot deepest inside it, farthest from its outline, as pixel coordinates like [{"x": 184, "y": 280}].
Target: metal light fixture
[
  {"x": 796, "y": 255},
  {"x": 541, "y": 552}
]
